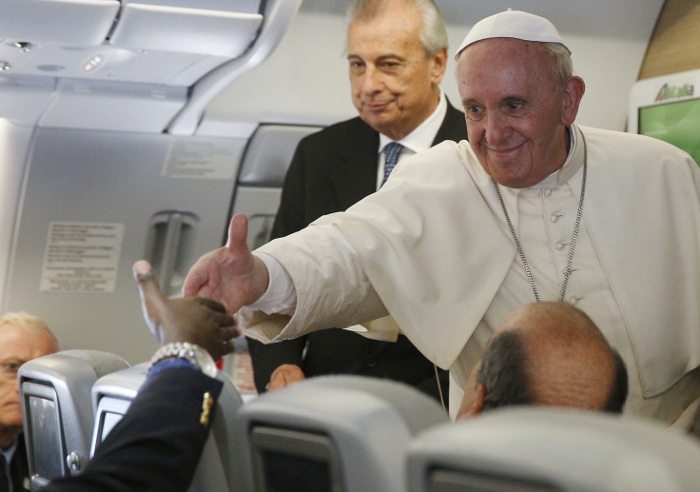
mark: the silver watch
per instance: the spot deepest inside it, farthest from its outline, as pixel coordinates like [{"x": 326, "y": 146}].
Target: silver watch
[{"x": 194, "y": 354}]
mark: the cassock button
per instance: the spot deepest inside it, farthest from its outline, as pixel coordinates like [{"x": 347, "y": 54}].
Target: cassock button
[
  {"x": 561, "y": 245},
  {"x": 573, "y": 299},
  {"x": 556, "y": 216},
  {"x": 547, "y": 193},
  {"x": 371, "y": 361}
]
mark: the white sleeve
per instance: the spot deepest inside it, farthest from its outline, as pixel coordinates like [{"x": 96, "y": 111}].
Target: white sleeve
[
  {"x": 315, "y": 282},
  {"x": 280, "y": 296}
]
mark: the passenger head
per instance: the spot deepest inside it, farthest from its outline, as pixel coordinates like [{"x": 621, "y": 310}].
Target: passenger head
[
  {"x": 23, "y": 337},
  {"x": 547, "y": 353},
  {"x": 397, "y": 53},
  {"x": 515, "y": 80}
]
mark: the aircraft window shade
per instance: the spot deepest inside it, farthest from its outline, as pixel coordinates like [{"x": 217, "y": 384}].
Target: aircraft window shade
[
  {"x": 294, "y": 461},
  {"x": 270, "y": 152},
  {"x": 185, "y": 30},
  {"x": 460, "y": 481},
  {"x": 43, "y": 433}
]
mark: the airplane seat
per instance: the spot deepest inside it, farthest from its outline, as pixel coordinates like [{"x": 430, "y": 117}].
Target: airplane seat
[
  {"x": 331, "y": 433},
  {"x": 537, "y": 449},
  {"x": 57, "y": 411},
  {"x": 112, "y": 396},
  {"x": 263, "y": 168}
]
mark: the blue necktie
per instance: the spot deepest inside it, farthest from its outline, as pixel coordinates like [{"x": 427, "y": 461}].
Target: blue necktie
[
  {"x": 391, "y": 157},
  {"x": 4, "y": 479}
]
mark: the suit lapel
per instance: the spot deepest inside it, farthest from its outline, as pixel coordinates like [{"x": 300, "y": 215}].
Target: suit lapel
[
  {"x": 356, "y": 174},
  {"x": 454, "y": 126}
]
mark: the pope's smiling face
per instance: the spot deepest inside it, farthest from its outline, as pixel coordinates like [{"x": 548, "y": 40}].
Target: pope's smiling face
[{"x": 517, "y": 109}]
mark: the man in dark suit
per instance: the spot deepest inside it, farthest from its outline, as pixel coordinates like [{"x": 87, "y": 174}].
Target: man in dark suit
[
  {"x": 397, "y": 51},
  {"x": 23, "y": 337},
  {"x": 157, "y": 445}
]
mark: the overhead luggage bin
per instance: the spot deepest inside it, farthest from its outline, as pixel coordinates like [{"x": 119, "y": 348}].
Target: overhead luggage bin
[
  {"x": 174, "y": 55},
  {"x": 186, "y": 30},
  {"x": 72, "y": 23}
]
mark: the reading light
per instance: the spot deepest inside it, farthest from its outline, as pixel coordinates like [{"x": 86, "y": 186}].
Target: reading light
[{"x": 93, "y": 63}]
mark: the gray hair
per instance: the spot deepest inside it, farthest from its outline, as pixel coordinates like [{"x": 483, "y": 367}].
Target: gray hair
[
  {"x": 433, "y": 34},
  {"x": 28, "y": 323},
  {"x": 563, "y": 67}
]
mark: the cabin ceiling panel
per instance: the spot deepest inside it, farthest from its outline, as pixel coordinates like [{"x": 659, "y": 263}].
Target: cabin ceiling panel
[
  {"x": 63, "y": 22},
  {"x": 173, "y": 42}
]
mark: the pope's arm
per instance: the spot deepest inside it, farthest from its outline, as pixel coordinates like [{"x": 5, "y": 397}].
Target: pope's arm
[
  {"x": 231, "y": 274},
  {"x": 328, "y": 283}
]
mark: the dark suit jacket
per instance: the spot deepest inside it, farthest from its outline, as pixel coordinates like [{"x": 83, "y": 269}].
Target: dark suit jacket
[
  {"x": 332, "y": 170},
  {"x": 19, "y": 468},
  {"x": 157, "y": 445}
]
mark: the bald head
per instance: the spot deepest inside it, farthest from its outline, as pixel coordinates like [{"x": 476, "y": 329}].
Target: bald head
[
  {"x": 567, "y": 360},
  {"x": 548, "y": 353}
]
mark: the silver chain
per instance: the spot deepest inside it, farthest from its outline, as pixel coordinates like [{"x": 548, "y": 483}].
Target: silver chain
[{"x": 574, "y": 237}]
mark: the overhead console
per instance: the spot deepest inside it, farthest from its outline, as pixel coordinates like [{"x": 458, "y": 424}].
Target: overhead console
[
  {"x": 130, "y": 41},
  {"x": 113, "y": 47}
]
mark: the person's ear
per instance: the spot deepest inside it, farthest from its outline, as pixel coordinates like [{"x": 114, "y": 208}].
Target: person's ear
[
  {"x": 480, "y": 399},
  {"x": 438, "y": 66},
  {"x": 572, "y": 94},
  {"x": 473, "y": 404}
]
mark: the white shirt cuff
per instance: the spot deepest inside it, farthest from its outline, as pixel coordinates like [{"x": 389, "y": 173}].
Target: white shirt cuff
[{"x": 281, "y": 295}]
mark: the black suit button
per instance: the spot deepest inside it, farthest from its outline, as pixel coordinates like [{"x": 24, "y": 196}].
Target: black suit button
[{"x": 370, "y": 361}]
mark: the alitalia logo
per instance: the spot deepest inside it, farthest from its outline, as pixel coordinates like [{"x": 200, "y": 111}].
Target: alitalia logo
[{"x": 674, "y": 91}]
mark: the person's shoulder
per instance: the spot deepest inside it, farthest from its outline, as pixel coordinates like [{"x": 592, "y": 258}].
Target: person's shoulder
[
  {"x": 339, "y": 131},
  {"x": 628, "y": 141},
  {"x": 644, "y": 153}
]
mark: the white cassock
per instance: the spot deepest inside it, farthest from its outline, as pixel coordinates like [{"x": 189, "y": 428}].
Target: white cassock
[{"x": 433, "y": 249}]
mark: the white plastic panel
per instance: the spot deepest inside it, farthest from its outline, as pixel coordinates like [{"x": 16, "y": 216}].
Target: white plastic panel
[
  {"x": 25, "y": 98},
  {"x": 185, "y": 30},
  {"x": 104, "y": 187},
  {"x": 62, "y": 22},
  {"x": 114, "y": 106},
  {"x": 250, "y": 6},
  {"x": 270, "y": 151},
  {"x": 14, "y": 145}
]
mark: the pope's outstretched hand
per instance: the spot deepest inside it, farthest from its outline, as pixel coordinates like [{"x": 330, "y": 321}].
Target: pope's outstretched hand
[{"x": 231, "y": 275}]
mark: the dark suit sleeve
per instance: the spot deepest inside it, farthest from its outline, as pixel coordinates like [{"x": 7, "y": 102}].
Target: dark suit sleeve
[{"x": 157, "y": 445}]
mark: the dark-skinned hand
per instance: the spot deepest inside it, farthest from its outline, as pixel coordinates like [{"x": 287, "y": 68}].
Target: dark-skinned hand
[{"x": 196, "y": 320}]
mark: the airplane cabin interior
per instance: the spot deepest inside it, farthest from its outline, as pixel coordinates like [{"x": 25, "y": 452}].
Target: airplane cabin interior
[{"x": 135, "y": 129}]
